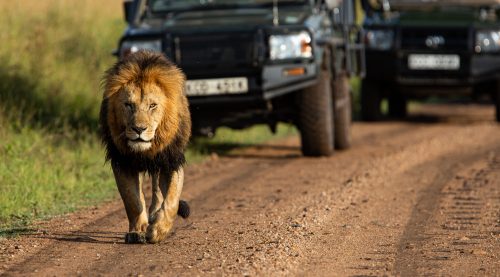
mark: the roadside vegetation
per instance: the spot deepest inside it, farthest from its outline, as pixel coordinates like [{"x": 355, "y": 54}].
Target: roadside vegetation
[{"x": 53, "y": 54}]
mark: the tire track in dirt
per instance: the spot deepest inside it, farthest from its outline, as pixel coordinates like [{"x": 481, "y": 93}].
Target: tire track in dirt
[
  {"x": 462, "y": 227},
  {"x": 372, "y": 230},
  {"x": 383, "y": 258}
]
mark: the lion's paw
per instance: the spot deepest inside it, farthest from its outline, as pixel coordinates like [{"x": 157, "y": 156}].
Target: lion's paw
[
  {"x": 135, "y": 237},
  {"x": 156, "y": 233}
]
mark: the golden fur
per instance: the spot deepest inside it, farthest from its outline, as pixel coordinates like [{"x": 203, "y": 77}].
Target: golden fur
[{"x": 145, "y": 126}]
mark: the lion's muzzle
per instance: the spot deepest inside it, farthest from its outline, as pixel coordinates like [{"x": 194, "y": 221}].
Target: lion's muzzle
[{"x": 139, "y": 139}]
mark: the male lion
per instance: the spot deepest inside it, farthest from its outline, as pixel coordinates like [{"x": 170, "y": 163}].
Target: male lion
[{"x": 145, "y": 127}]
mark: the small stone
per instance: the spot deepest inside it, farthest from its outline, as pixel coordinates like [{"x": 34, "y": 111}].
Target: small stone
[{"x": 479, "y": 252}]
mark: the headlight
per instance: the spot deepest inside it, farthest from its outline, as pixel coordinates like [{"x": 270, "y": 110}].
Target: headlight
[
  {"x": 290, "y": 46},
  {"x": 132, "y": 46},
  {"x": 487, "y": 41},
  {"x": 379, "y": 39}
]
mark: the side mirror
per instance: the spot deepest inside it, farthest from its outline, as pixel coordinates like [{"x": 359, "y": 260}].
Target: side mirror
[
  {"x": 129, "y": 9},
  {"x": 332, "y": 4}
]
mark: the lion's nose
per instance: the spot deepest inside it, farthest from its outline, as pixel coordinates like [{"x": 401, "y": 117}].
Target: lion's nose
[{"x": 139, "y": 129}]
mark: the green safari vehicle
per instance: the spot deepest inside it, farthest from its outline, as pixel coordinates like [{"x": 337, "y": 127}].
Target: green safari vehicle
[{"x": 416, "y": 49}]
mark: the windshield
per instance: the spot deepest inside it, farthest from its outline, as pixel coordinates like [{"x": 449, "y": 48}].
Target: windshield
[
  {"x": 413, "y": 3},
  {"x": 175, "y": 5}
]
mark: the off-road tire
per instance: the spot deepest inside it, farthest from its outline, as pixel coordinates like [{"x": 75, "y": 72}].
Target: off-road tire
[
  {"x": 343, "y": 111},
  {"x": 398, "y": 107},
  {"x": 315, "y": 117},
  {"x": 371, "y": 97}
]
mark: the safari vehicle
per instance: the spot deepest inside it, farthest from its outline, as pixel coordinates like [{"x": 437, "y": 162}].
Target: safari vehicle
[
  {"x": 258, "y": 61},
  {"x": 420, "y": 48}
]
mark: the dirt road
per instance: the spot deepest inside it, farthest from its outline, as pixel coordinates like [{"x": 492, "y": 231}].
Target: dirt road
[{"x": 420, "y": 197}]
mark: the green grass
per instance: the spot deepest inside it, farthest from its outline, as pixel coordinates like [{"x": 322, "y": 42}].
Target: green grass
[
  {"x": 46, "y": 174},
  {"x": 53, "y": 54}
]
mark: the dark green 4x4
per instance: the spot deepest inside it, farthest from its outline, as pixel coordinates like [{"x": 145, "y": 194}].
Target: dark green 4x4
[
  {"x": 417, "y": 49},
  {"x": 258, "y": 61}
]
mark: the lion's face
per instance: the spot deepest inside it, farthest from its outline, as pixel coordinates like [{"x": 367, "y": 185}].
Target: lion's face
[
  {"x": 146, "y": 106},
  {"x": 140, "y": 111}
]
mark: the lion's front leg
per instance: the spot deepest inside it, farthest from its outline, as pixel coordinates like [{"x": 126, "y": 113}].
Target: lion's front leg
[
  {"x": 130, "y": 188},
  {"x": 163, "y": 219}
]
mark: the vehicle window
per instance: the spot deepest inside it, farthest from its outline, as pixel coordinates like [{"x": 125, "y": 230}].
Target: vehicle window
[{"x": 174, "y": 5}]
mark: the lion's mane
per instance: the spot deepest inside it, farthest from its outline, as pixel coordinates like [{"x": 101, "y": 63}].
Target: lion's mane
[{"x": 173, "y": 133}]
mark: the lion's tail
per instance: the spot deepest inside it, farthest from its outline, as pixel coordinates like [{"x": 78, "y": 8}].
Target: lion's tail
[{"x": 184, "y": 211}]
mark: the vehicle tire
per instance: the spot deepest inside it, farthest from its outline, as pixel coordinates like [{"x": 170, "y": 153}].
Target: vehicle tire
[
  {"x": 315, "y": 117},
  {"x": 398, "y": 107},
  {"x": 343, "y": 111},
  {"x": 371, "y": 98}
]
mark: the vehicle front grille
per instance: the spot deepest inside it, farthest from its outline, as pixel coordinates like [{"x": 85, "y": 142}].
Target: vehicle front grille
[
  {"x": 451, "y": 38},
  {"x": 214, "y": 51}
]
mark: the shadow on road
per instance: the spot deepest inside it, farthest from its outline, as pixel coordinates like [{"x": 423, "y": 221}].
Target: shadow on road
[
  {"x": 242, "y": 150},
  {"x": 453, "y": 113},
  {"x": 98, "y": 237}
]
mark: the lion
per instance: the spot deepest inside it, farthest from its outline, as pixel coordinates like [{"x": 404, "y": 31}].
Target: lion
[{"x": 145, "y": 128}]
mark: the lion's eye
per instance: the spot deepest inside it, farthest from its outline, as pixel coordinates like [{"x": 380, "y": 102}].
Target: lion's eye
[
  {"x": 152, "y": 106},
  {"x": 129, "y": 106}
]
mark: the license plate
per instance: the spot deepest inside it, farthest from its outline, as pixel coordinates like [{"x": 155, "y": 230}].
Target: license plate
[
  {"x": 433, "y": 62},
  {"x": 203, "y": 87}
]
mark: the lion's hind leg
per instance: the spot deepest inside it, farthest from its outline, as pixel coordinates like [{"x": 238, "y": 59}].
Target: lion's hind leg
[
  {"x": 163, "y": 219},
  {"x": 157, "y": 197}
]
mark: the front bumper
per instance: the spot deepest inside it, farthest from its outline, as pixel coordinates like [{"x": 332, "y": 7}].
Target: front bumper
[
  {"x": 392, "y": 68},
  {"x": 264, "y": 85}
]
